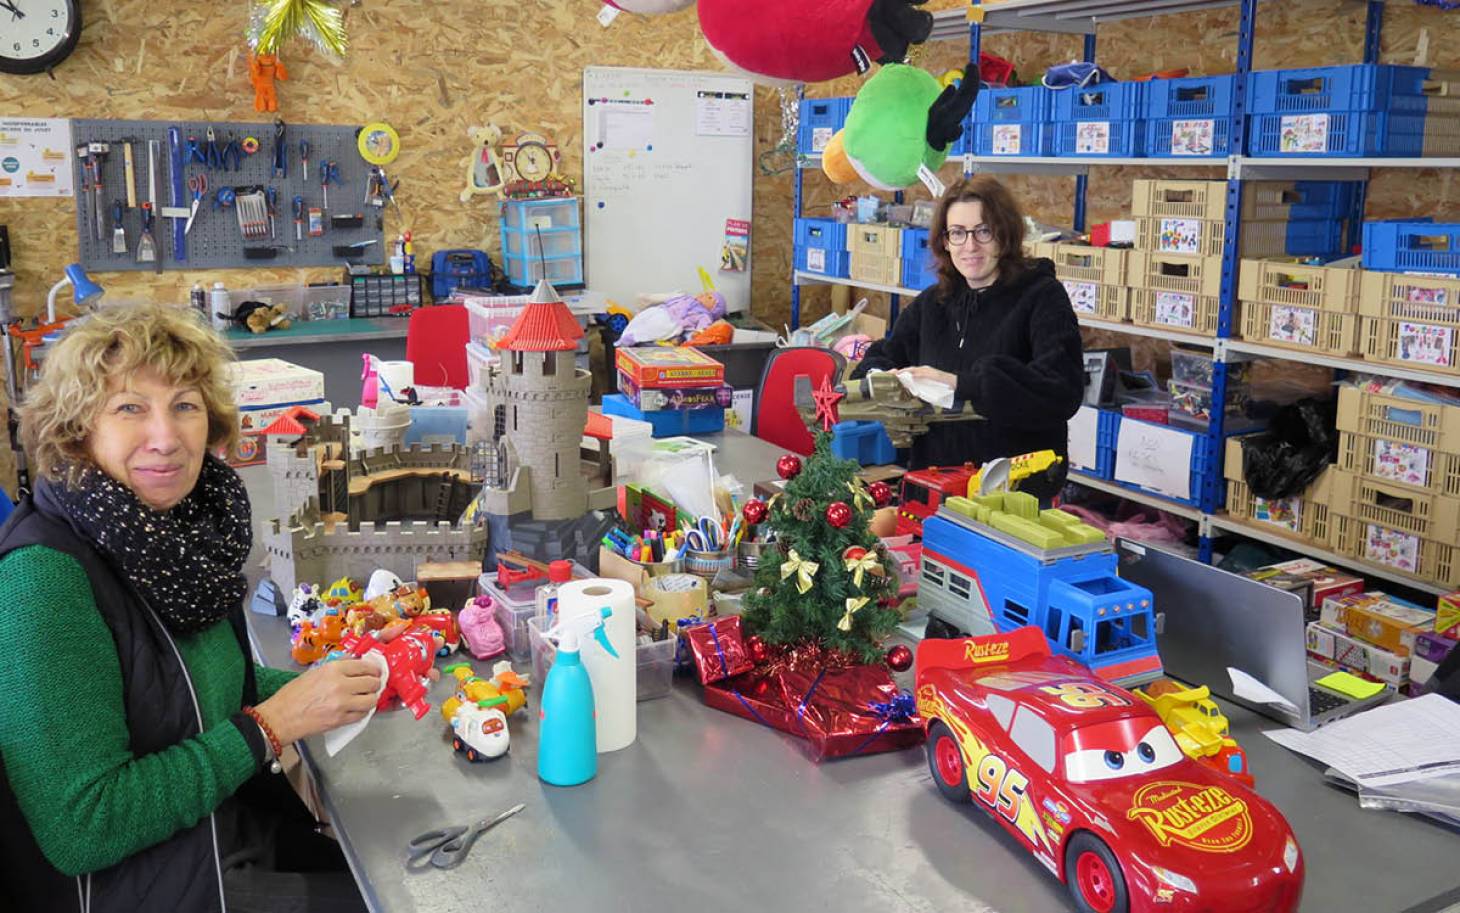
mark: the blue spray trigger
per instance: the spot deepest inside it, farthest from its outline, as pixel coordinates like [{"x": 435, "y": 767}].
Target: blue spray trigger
[{"x": 600, "y": 633}]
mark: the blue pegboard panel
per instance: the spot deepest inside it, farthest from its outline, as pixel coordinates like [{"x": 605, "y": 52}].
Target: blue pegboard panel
[{"x": 215, "y": 241}]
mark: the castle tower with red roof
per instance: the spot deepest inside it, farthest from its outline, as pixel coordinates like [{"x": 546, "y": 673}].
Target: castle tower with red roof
[{"x": 538, "y": 400}]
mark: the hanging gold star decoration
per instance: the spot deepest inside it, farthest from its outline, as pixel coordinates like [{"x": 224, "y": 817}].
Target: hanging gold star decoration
[
  {"x": 803, "y": 569},
  {"x": 853, "y": 604},
  {"x": 865, "y": 563},
  {"x": 274, "y": 22}
]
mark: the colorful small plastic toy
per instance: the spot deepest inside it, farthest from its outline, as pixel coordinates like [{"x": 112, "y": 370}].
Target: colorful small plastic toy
[
  {"x": 302, "y": 605},
  {"x": 480, "y": 628},
  {"x": 1084, "y": 775},
  {"x": 346, "y": 590},
  {"x": 472, "y": 688},
  {"x": 444, "y": 623},
  {"x": 408, "y": 658},
  {"x": 1200, "y": 729},
  {"x": 480, "y": 730}
]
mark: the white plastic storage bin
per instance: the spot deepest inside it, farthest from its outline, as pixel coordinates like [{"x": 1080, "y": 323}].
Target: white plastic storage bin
[
  {"x": 488, "y": 319},
  {"x": 655, "y": 660},
  {"x": 526, "y": 215},
  {"x": 477, "y": 360}
]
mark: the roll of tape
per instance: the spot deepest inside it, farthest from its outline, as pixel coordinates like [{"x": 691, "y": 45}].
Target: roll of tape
[{"x": 676, "y": 596}]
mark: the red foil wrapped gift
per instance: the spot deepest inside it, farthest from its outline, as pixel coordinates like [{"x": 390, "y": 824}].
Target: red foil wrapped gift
[
  {"x": 718, "y": 649},
  {"x": 841, "y": 708}
]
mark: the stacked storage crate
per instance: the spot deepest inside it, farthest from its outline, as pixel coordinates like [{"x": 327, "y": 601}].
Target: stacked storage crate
[
  {"x": 820, "y": 119},
  {"x": 821, "y": 247},
  {"x": 1190, "y": 117},
  {"x": 1299, "y": 307},
  {"x": 918, "y": 269},
  {"x": 1396, "y": 487},
  {"x": 874, "y": 253},
  {"x": 1013, "y": 122},
  {"x": 1303, "y": 516},
  {"x": 542, "y": 239},
  {"x": 1094, "y": 278},
  {"x": 1104, "y": 120},
  {"x": 1354, "y": 110},
  {"x": 1410, "y": 320}
]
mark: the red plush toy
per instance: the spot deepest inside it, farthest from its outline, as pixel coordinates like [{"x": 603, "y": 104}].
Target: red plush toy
[{"x": 811, "y": 40}]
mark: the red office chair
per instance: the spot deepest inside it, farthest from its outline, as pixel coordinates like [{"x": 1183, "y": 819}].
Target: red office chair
[
  {"x": 776, "y": 419},
  {"x": 436, "y": 344}
]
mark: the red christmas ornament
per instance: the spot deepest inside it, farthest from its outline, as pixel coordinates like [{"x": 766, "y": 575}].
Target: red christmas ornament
[
  {"x": 788, "y": 467},
  {"x": 853, "y": 553},
  {"x": 838, "y": 514},
  {"x": 881, "y": 493},
  {"x": 755, "y": 511},
  {"x": 757, "y": 649},
  {"x": 900, "y": 658}
]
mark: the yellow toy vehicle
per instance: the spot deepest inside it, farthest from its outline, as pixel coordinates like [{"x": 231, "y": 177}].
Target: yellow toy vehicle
[
  {"x": 1200, "y": 729},
  {"x": 1005, "y": 473}
]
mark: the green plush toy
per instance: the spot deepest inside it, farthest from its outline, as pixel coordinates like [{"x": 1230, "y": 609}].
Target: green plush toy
[{"x": 903, "y": 118}]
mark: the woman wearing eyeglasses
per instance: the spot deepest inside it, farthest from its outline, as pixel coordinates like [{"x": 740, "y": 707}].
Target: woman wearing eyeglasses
[{"x": 997, "y": 328}]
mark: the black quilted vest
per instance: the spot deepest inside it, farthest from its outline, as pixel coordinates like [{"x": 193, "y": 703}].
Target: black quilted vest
[{"x": 184, "y": 872}]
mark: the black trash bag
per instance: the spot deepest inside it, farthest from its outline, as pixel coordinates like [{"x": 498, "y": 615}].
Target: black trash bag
[{"x": 1299, "y": 444}]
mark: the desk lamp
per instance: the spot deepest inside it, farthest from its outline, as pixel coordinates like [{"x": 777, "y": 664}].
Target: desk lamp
[{"x": 85, "y": 291}]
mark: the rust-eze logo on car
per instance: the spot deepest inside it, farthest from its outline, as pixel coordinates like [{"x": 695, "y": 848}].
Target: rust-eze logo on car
[
  {"x": 997, "y": 651},
  {"x": 1206, "y": 818}
]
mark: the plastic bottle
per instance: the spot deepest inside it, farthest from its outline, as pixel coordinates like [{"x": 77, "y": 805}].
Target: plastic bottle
[
  {"x": 398, "y": 255},
  {"x": 220, "y": 307},
  {"x": 567, "y": 740},
  {"x": 559, "y": 573},
  {"x": 198, "y": 298}
]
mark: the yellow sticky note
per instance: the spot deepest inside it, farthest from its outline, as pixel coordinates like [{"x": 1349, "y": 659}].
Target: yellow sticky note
[{"x": 1350, "y": 685}]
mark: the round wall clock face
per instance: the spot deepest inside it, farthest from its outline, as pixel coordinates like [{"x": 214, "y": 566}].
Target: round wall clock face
[
  {"x": 533, "y": 161},
  {"x": 35, "y": 35}
]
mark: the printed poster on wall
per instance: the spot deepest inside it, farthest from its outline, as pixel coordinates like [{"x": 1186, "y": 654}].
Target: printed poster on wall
[
  {"x": 1387, "y": 546},
  {"x": 1298, "y": 326},
  {"x": 1400, "y": 462},
  {"x": 1007, "y": 139},
  {"x": 1425, "y": 343},
  {"x": 1084, "y": 296},
  {"x": 1303, "y": 133},
  {"x": 35, "y": 157},
  {"x": 736, "y": 251},
  {"x": 1180, "y": 236},
  {"x": 1176, "y": 309},
  {"x": 1092, "y": 137},
  {"x": 1154, "y": 457},
  {"x": 1285, "y": 513},
  {"x": 1193, "y": 137}
]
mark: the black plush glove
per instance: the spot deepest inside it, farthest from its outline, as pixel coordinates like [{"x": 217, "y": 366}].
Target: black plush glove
[
  {"x": 895, "y": 25},
  {"x": 948, "y": 111}
]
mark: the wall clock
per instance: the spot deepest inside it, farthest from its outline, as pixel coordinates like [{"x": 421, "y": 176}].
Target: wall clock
[
  {"x": 531, "y": 157},
  {"x": 35, "y": 35}
]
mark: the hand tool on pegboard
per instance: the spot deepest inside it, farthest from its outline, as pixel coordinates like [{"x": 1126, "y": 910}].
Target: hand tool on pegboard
[
  {"x": 180, "y": 215},
  {"x": 149, "y": 218},
  {"x": 299, "y": 218},
  {"x": 328, "y": 171},
  {"x": 281, "y": 151},
  {"x": 130, "y": 170},
  {"x": 195, "y": 152},
  {"x": 83, "y": 155},
  {"x": 271, "y": 198},
  {"x": 232, "y": 152},
  {"x": 99, "y": 152},
  {"x": 119, "y": 231},
  {"x": 212, "y": 155},
  {"x": 304, "y": 160},
  {"x": 253, "y": 212},
  {"x": 198, "y": 184},
  {"x": 146, "y": 243}
]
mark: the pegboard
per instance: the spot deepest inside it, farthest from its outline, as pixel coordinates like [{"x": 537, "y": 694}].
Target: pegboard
[{"x": 215, "y": 241}]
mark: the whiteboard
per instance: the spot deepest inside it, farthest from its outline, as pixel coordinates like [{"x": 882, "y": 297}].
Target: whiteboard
[{"x": 667, "y": 160}]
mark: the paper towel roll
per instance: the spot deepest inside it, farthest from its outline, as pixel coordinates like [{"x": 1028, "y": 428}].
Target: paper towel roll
[
  {"x": 615, "y": 681},
  {"x": 398, "y": 374}
]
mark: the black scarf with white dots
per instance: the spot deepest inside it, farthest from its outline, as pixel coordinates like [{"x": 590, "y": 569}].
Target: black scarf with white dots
[{"x": 187, "y": 561}]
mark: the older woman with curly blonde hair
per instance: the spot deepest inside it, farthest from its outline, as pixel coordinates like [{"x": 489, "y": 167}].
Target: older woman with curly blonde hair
[{"x": 134, "y": 720}]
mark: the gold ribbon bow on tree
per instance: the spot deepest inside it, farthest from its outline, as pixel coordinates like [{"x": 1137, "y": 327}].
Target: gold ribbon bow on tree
[
  {"x": 860, "y": 496},
  {"x": 865, "y": 563},
  {"x": 803, "y": 569},
  {"x": 853, "y": 604}
]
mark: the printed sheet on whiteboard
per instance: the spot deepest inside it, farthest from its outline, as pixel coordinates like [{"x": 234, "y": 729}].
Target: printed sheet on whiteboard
[
  {"x": 722, "y": 113},
  {"x": 625, "y": 127},
  {"x": 1154, "y": 457}
]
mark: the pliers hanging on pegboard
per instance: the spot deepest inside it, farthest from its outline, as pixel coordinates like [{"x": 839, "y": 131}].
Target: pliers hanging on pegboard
[
  {"x": 213, "y": 157},
  {"x": 233, "y": 152}
]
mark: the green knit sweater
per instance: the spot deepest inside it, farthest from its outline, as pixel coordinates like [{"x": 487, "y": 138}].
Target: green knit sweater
[{"x": 63, "y": 728}]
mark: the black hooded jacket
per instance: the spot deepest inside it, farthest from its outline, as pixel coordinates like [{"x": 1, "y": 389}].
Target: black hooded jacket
[{"x": 1015, "y": 348}]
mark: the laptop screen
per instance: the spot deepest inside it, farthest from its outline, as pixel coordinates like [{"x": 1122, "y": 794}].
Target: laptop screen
[{"x": 1215, "y": 620}]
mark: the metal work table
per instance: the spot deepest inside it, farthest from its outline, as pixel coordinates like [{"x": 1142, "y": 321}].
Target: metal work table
[
  {"x": 332, "y": 347},
  {"x": 709, "y": 812}
]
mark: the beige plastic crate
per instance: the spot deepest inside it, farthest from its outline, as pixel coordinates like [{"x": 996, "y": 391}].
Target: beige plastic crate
[
  {"x": 1427, "y": 515},
  {"x": 1412, "y": 321},
  {"x": 1098, "y": 300},
  {"x": 1400, "y": 441},
  {"x": 1179, "y": 199},
  {"x": 1091, "y": 264},
  {"x": 879, "y": 240},
  {"x": 877, "y": 268},
  {"x": 1395, "y": 550},
  {"x": 1175, "y": 272},
  {"x": 1304, "y": 517},
  {"x": 1298, "y": 328},
  {"x": 1399, "y": 463},
  {"x": 1038, "y": 249},
  {"x": 1258, "y": 238},
  {"x": 1179, "y": 311},
  {"x": 1324, "y": 288}
]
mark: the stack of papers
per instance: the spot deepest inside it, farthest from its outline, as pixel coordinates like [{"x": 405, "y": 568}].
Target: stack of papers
[{"x": 1396, "y": 743}]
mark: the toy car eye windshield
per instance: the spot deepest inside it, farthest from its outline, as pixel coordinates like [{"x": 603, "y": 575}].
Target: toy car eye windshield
[
  {"x": 1115, "y": 760},
  {"x": 1146, "y": 752}
]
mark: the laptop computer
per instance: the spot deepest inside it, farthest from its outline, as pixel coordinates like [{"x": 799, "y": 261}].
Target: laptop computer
[{"x": 1210, "y": 620}]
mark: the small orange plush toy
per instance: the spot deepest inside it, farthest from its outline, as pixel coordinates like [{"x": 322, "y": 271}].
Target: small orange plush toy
[{"x": 263, "y": 69}]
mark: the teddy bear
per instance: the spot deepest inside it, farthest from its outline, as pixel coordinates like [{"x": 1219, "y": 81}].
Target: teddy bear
[
  {"x": 484, "y": 173},
  {"x": 261, "y": 317}
]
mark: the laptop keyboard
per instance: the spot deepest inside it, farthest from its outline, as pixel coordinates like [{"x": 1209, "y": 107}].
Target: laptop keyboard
[{"x": 1321, "y": 700}]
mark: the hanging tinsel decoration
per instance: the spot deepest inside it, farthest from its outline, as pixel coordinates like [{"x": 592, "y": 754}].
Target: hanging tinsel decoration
[
  {"x": 781, "y": 157},
  {"x": 273, "y": 22}
]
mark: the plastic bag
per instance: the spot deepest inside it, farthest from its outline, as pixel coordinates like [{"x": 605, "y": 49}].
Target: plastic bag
[{"x": 1300, "y": 442}]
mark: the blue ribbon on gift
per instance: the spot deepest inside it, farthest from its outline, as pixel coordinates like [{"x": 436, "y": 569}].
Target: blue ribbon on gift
[
  {"x": 900, "y": 708},
  {"x": 720, "y": 652},
  {"x": 801, "y": 709},
  {"x": 682, "y": 658}
]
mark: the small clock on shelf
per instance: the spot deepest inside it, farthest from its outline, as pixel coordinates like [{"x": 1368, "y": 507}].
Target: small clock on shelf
[
  {"x": 35, "y": 35},
  {"x": 531, "y": 157}
]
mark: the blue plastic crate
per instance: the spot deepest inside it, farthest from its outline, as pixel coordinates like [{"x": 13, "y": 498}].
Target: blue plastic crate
[
  {"x": 1333, "y": 134},
  {"x": 1021, "y": 140},
  {"x": 1412, "y": 246},
  {"x": 865, "y": 442},
  {"x": 1353, "y": 87},
  {"x": 1105, "y": 101},
  {"x": 1026, "y": 105},
  {"x": 1202, "y": 463},
  {"x": 821, "y": 118},
  {"x": 837, "y": 263},
  {"x": 1188, "y": 137},
  {"x": 1105, "y": 435},
  {"x": 918, "y": 269},
  {"x": 1320, "y": 199},
  {"x": 1192, "y": 96},
  {"x": 828, "y": 234},
  {"x": 667, "y": 422},
  {"x": 1100, "y": 138}
]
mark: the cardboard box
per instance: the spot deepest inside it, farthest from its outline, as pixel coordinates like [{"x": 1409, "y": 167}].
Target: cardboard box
[
  {"x": 1282, "y": 580},
  {"x": 274, "y": 382},
  {"x": 250, "y": 449},
  {"x": 1432, "y": 648},
  {"x": 651, "y": 399},
  {"x": 1420, "y": 671},
  {"x": 1447, "y": 616},
  {"x": 1324, "y": 582},
  {"x": 657, "y": 366},
  {"x": 1385, "y": 621},
  {"x": 1356, "y": 655}
]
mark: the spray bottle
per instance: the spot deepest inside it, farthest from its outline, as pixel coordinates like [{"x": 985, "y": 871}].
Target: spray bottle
[
  {"x": 567, "y": 742},
  {"x": 559, "y": 573}
]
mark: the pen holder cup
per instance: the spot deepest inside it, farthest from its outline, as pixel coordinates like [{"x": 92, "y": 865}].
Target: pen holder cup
[
  {"x": 753, "y": 553},
  {"x": 708, "y": 564}
]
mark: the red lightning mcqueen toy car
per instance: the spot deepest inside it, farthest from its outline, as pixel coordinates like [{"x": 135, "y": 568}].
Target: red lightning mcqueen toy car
[{"x": 1086, "y": 777}]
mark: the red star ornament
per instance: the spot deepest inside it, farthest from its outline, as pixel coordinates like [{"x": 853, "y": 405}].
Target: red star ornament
[{"x": 826, "y": 399}]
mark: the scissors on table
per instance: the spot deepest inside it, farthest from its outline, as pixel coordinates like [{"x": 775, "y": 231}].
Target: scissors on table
[
  {"x": 705, "y": 537},
  {"x": 198, "y": 184},
  {"x": 447, "y": 847}
]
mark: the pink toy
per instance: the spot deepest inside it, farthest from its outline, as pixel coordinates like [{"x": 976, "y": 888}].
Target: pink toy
[
  {"x": 369, "y": 383},
  {"x": 479, "y": 627},
  {"x": 409, "y": 658}
]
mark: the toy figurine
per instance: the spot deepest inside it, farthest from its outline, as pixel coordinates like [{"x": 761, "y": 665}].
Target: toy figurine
[
  {"x": 484, "y": 172},
  {"x": 472, "y": 688},
  {"x": 317, "y": 637},
  {"x": 479, "y": 730},
  {"x": 1085, "y": 777},
  {"x": 480, "y": 629},
  {"x": 408, "y": 658},
  {"x": 346, "y": 590},
  {"x": 444, "y": 623},
  {"x": 302, "y": 606},
  {"x": 263, "y": 69}
]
